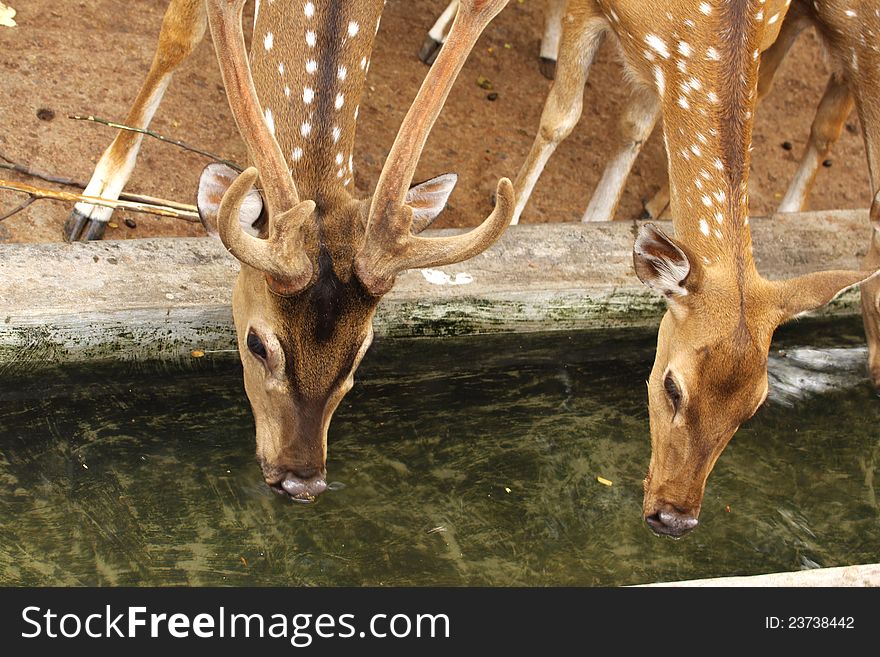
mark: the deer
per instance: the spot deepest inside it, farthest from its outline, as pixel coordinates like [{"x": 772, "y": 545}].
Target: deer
[
  {"x": 315, "y": 261},
  {"x": 696, "y": 65},
  {"x": 639, "y": 117},
  {"x": 553, "y": 14}
]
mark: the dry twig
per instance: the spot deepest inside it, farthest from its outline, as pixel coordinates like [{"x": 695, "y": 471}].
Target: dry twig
[
  {"x": 155, "y": 135},
  {"x": 188, "y": 213}
]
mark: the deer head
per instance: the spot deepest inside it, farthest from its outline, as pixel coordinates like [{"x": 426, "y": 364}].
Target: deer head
[
  {"x": 710, "y": 370},
  {"x": 313, "y": 271}
]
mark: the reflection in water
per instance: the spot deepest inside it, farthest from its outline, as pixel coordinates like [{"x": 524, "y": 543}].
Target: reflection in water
[{"x": 466, "y": 461}]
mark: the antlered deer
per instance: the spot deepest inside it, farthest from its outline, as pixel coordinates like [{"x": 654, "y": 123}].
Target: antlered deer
[
  {"x": 696, "y": 64},
  {"x": 316, "y": 262}
]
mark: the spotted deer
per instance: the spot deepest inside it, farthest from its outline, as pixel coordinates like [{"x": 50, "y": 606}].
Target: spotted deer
[
  {"x": 561, "y": 113},
  {"x": 696, "y": 64},
  {"x": 315, "y": 261},
  {"x": 553, "y": 12}
]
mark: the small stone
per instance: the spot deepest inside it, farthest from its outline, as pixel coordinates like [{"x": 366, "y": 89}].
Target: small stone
[
  {"x": 827, "y": 164},
  {"x": 492, "y": 96},
  {"x": 130, "y": 222},
  {"x": 484, "y": 83},
  {"x": 113, "y": 224},
  {"x": 45, "y": 114},
  {"x": 197, "y": 353},
  {"x": 169, "y": 296},
  {"x": 786, "y": 145}
]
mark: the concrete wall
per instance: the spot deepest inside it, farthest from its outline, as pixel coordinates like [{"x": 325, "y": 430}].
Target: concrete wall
[
  {"x": 164, "y": 297},
  {"x": 867, "y": 575}
]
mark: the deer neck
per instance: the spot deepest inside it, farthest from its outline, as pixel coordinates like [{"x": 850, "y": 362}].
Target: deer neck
[
  {"x": 707, "y": 83},
  {"x": 310, "y": 60}
]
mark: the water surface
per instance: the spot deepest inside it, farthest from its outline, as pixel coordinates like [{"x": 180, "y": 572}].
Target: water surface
[{"x": 462, "y": 461}]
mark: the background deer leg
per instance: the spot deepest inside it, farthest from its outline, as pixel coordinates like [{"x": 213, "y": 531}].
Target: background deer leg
[
  {"x": 771, "y": 60},
  {"x": 553, "y": 14},
  {"x": 834, "y": 108},
  {"x": 437, "y": 34},
  {"x": 182, "y": 29},
  {"x": 864, "y": 83},
  {"x": 636, "y": 125},
  {"x": 562, "y": 109}
]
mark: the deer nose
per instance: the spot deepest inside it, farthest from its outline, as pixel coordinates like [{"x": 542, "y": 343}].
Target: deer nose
[
  {"x": 305, "y": 484},
  {"x": 669, "y": 521}
]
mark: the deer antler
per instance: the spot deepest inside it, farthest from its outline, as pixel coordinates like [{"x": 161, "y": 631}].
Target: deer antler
[
  {"x": 389, "y": 245},
  {"x": 274, "y": 254},
  {"x": 287, "y": 215}
]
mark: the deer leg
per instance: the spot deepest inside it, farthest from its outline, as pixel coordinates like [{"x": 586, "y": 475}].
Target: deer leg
[
  {"x": 834, "y": 108},
  {"x": 564, "y": 104},
  {"x": 636, "y": 125},
  {"x": 553, "y": 15},
  {"x": 863, "y": 66},
  {"x": 437, "y": 34},
  {"x": 182, "y": 29}
]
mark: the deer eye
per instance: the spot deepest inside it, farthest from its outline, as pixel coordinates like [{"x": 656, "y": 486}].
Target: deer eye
[
  {"x": 256, "y": 345},
  {"x": 672, "y": 392}
]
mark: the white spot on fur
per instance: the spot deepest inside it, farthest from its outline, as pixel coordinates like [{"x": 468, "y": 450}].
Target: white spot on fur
[
  {"x": 311, "y": 39},
  {"x": 660, "y": 79},
  {"x": 270, "y": 121},
  {"x": 305, "y": 129},
  {"x": 309, "y": 9},
  {"x": 268, "y": 41},
  {"x": 297, "y": 154},
  {"x": 342, "y": 72},
  {"x": 353, "y": 28},
  {"x": 657, "y": 44},
  {"x": 704, "y": 227},
  {"x": 340, "y": 101},
  {"x": 308, "y": 95},
  {"x": 712, "y": 54},
  {"x": 705, "y": 8},
  {"x": 311, "y": 66}
]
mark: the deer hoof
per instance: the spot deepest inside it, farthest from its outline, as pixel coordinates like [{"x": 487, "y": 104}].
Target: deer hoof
[
  {"x": 430, "y": 49},
  {"x": 548, "y": 68},
  {"x": 82, "y": 227}
]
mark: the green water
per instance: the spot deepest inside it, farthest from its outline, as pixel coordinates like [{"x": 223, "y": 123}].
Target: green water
[{"x": 145, "y": 474}]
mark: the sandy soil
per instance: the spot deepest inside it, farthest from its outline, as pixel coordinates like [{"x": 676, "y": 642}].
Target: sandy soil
[{"x": 90, "y": 57}]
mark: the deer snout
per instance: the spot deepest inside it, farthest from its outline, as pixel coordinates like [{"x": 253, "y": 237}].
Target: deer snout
[
  {"x": 667, "y": 520},
  {"x": 301, "y": 484}
]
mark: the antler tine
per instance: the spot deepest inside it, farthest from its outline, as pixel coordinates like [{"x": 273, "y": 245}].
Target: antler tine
[
  {"x": 389, "y": 247},
  {"x": 224, "y": 17},
  {"x": 281, "y": 256}
]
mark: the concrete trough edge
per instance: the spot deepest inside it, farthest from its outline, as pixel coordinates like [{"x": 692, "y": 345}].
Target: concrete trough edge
[
  {"x": 859, "y": 575},
  {"x": 163, "y": 298}
]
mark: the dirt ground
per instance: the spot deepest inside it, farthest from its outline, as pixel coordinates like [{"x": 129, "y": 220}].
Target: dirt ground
[{"x": 89, "y": 57}]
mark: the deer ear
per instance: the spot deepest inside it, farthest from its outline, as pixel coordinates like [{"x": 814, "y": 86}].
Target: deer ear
[
  {"x": 427, "y": 200},
  {"x": 660, "y": 263},
  {"x": 806, "y": 293},
  {"x": 213, "y": 183}
]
